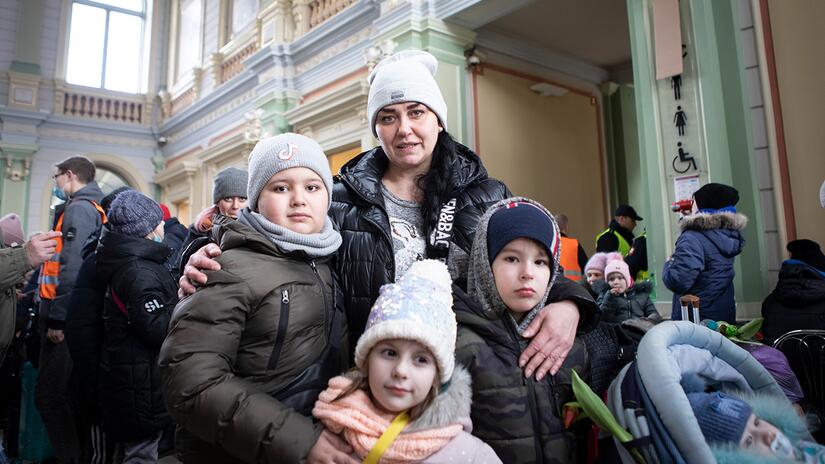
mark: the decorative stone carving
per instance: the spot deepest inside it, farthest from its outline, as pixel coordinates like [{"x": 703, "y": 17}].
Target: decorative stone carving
[{"x": 20, "y": 172}]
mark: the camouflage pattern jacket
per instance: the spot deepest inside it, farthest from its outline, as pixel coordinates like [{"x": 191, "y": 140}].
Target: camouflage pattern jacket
[{"x": 519, "y": 418}]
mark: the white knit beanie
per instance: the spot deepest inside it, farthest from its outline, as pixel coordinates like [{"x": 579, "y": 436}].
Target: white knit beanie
[
  {"x": 407, "y": 76},
  {"x": 284, "y": 151},
  {"x": 418, "y": 307}
]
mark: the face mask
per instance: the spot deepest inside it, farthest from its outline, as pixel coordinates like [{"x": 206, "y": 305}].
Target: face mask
[
  {"x": 782, "y": 447},
  {"x": 157, "y": 238},
  {"x": 59, "y": 193}
]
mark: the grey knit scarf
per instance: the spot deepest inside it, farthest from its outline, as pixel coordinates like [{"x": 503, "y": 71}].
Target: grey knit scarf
[
  {"x": 481, "y": 284},
  {"x": 317, "y": 245}
]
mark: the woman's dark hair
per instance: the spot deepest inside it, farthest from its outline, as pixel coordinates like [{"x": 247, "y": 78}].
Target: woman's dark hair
[{"x": 436, "y": 183}]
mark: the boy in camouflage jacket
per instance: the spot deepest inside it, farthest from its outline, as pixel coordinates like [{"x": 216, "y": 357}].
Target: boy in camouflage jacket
[{"x": 514, "y": 263}]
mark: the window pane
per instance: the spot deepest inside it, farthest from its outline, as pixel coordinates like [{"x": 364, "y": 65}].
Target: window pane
[
  {"x": 123, "y": 52},
  {"x": 243, "y": 12},
  {"x": 134, "y": 5},
  {"x": 189, "y": 35},
  {"x": 88, "y": 29},
  {"x": 108, "y": 180}
]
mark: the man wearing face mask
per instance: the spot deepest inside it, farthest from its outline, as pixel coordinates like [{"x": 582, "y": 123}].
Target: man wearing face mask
[{"x": 76, "y": 219}]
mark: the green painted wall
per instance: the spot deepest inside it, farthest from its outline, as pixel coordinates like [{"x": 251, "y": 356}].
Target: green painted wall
[
  {"x": 726, "y": 128},
  {"x": 624, "y": 163},
  {"x": 728, "y": 132},
  {"x": 14, "y": 193},
  {"x": 275, "y": 107}
]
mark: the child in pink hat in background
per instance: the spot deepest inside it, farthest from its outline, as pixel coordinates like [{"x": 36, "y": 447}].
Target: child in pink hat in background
[{"x": 623, "y": 300}]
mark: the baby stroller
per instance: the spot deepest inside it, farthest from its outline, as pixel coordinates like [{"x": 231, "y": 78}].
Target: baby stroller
[{"x": 648, "y": 396}]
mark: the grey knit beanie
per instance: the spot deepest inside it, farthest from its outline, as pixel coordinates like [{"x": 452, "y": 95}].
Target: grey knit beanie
[
  {"x": 231, "y": 182},
  {"x": 134, "y": 214},
  {"x": 407, "y": 76},
  {"x": 284, "y": 151}
]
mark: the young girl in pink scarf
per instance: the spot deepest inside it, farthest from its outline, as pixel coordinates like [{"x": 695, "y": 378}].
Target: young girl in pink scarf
[{"x": 407, "y": 401}]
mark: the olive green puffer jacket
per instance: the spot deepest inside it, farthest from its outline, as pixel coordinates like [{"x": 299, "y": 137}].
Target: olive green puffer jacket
[{"x": 224, "y": 362}]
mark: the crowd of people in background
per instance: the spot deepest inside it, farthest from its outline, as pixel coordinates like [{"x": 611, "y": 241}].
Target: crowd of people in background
[{"x": 411, "y": 309}]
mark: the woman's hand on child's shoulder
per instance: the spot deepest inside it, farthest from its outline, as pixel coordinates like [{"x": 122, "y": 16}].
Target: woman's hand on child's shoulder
[
  {"x": 553, "y": 332},
  {"x": 193, "y": 275},
  {"x": 330, "y": 449}
]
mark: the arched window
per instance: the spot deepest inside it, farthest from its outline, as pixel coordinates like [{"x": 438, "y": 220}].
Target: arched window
[{"x": 107, "y": 44}]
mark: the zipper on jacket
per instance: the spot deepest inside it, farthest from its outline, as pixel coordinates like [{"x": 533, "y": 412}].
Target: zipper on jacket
[
  {"x": 556, "y": 400},
  {"x": 283, "y": 322},
  {"x": 323, "y": 293}
]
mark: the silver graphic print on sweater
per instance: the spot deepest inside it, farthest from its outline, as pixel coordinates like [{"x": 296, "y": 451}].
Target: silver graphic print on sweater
[{"x": 407, "y": 228}]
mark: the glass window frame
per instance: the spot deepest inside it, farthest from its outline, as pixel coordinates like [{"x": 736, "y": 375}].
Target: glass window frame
[
  {"x": 229, "y": 32},
  {"x": 109, "y": 9},
  {"x": 179, "y": 74}
]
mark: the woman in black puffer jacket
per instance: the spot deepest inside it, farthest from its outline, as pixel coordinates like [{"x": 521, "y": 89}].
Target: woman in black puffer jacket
[
  {"x": 140, "y": 297},
  {"x": 419, "y": 195}
]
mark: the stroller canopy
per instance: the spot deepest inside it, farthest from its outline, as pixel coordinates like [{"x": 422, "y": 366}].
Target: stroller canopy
[{"x": 667, "y": 353}]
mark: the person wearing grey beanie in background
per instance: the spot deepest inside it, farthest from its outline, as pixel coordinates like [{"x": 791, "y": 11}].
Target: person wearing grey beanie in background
[
  {"x": 228, "y": 198},
  {"x": 248, "y": 354},
  {"x": 420, "y": 194},
  {"x": 141, "y": 294}
]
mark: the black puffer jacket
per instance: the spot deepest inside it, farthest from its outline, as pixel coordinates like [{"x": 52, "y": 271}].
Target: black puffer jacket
[
  {"x": 140, "y": 298},
  {"x": 366, "y": 260},
  {"x": 632, "y": 304},
  {"x": 797, "y": 302},
  {"x": 84, "y": 329},
  {"x": 174, "y": 234}
]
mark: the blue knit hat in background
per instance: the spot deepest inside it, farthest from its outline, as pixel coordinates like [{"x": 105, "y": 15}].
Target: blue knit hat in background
[
  {"x": 722, "y": 418},
  {"x": 521, "y": 220},
  {"x": 134, "y": 214}
]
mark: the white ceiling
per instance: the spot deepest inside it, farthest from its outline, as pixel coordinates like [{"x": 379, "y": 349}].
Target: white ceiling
[{"x": 593, "y": 31}]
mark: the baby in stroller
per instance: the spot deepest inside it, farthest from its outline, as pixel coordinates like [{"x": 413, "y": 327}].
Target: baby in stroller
[
  {"x": 694, "y": 397},
  {"x": 738, "y": 430}
]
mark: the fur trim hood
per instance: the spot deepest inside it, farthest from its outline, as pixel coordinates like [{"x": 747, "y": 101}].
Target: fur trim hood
[
  {"x": 773, "y": 410},
  {"x": 770, "y": 408},
  {"x": 702, "y": 221}
]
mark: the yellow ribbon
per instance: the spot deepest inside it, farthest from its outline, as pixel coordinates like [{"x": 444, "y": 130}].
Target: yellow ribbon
[{"x": 387, "y": 438}]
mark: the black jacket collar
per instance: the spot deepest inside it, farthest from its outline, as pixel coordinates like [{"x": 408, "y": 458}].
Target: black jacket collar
[
  {"x": 364, "y": 172},
  {"x": 628, "y": 235}
]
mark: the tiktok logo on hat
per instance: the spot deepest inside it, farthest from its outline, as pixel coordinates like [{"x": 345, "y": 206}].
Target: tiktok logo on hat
[{"x": 288, "y": 152}]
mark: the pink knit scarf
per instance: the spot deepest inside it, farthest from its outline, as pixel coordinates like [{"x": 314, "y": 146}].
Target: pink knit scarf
[{"x": 362, "y": 423}]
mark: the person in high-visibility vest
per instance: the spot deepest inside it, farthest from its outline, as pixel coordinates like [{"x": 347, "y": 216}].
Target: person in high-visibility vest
[
  {"x": 619, "y": 233},
  {"x": 78, "y": 218},
  {"x": 573, "y": 257}
]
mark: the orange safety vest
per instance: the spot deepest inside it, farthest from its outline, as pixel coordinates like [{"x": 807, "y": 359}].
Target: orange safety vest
[
  {"x": 569, "y": 258},
  {"x": 50, "y": 271}
]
